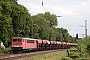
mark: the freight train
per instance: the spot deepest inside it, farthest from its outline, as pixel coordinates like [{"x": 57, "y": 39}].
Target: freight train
[{"x": 22, "y": 44}]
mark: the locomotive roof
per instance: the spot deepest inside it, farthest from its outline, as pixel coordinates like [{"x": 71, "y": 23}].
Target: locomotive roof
[{"x": 23, "y": 38}]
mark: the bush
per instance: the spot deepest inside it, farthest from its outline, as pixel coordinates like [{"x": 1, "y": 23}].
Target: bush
[
  {"x": 81, "y": 59},
  {"x": 7, "y": 50},
  {"x": 88, "y": 49},
  {"x": 66, "y": 58},
  {"x": 1, "y": 50},
  {"x": 84, "y": 44}
]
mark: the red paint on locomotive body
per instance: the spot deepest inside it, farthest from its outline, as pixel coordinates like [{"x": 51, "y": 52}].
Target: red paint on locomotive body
[
  {"x": 23, "y": 43},
  {"x": 29, "y": 43},
  {"x": 17, "y": 42}
]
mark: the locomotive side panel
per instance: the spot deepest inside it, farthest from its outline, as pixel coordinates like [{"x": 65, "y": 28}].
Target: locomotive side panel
[{"x": 30, "y": 44}]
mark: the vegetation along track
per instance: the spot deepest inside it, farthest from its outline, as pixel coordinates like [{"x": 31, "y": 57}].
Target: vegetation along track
[{"x": 24, "y": 55}]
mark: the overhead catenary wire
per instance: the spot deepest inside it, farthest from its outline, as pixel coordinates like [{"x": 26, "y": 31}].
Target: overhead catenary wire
[
  {"x": 41, "y": 5},
  {"x": 29, "y": 8},
  {"x": 33, "y": 10}
]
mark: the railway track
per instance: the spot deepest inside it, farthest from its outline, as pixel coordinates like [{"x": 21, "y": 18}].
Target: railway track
[{"x": 25, "y": 55}]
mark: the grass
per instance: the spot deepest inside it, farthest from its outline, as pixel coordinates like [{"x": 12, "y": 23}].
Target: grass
[
  {"x": 73, "y": 48},
  {"x": 74, "y": 53},
  {"x": 89, "y": 57},
  {"x": 51, "y": 56}
]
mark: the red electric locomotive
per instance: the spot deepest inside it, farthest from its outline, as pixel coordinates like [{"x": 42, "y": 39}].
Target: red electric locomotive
[{"x": 23, "y": 44}]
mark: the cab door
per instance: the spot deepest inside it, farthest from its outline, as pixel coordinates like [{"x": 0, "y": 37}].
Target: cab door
[{"x": 24, "y": 43}]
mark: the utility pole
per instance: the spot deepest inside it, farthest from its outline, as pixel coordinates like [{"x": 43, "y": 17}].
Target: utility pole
[
  {"x": 32, "y": 29},
  {"x": 61, "y": 36},
  {"x": 60, "y": 32},
  {"x": 85, "y": 28}
]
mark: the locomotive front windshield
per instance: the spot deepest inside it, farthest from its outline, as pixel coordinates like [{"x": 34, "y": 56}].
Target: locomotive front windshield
[{"x": 16, "y": 40}]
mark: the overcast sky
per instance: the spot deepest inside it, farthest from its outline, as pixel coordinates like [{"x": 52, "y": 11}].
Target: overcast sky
[{"x": 73, "y": 12}]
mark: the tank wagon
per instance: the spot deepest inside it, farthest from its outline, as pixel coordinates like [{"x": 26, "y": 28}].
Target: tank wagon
[{"x": 20, "y": 44}]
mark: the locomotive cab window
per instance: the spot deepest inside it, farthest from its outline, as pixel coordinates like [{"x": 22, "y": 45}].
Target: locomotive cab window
[
  {"x": 17, "y": 40},
  {"x": 30, "y": 41},
  {"x": 14, "y": 40}
]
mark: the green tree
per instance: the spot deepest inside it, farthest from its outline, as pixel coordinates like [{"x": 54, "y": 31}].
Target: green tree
[
  {"x": 21, "y": 20},
  {"x": 46, "y": 28},
  {"x": 84, "y": 44},
  {"x": 63, "y": 35},
  {"x": 51, "y": 19},
  {"x": 14, "y": 20},
  {"x": 53, "y": 33},
  {"x": 5, "y": 21},
  {"x": 42, "y": 26}
]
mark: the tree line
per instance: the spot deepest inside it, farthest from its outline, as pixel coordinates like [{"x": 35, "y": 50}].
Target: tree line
[{"x": 15, "y": 20}]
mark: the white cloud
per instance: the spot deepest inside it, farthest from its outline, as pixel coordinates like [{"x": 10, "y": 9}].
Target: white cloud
[
  {"x": 63, "y": 11},
  {"x": 73, "y": 13}
]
